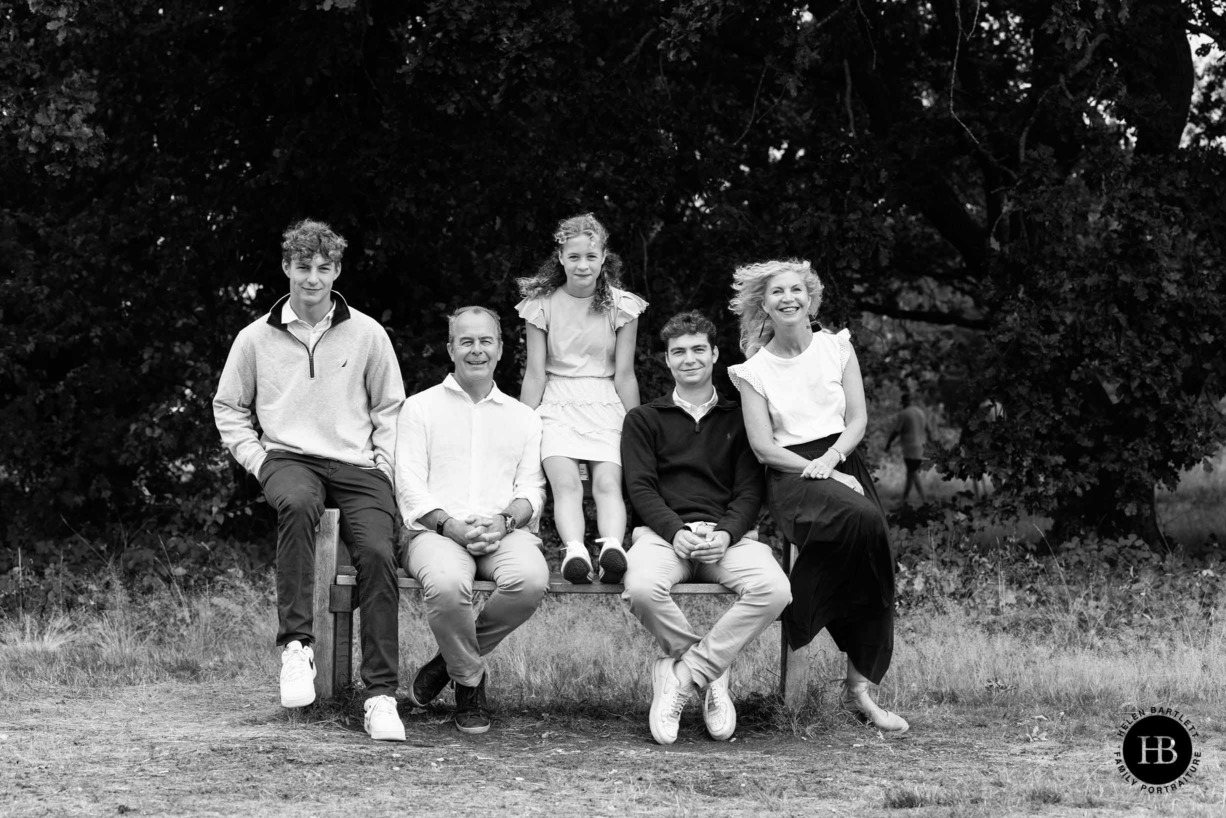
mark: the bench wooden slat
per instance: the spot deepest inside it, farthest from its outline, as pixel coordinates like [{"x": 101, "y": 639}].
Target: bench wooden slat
[{"x": 557, "y": 585}]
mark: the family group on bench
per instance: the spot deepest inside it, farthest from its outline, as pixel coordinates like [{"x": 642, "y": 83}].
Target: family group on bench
[{"x": 311, "y": 401}]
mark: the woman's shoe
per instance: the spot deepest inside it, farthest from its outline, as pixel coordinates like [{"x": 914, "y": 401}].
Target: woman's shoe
[
  {"x": 577, "y": 564},
  {"x": 857, "y": 702}
]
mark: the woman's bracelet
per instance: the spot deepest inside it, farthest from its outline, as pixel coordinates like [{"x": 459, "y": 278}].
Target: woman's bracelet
[{"x": 835, "y": 449}]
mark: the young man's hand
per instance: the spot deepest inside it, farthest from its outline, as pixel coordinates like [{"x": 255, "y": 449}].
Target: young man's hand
[
  {"x": 685, "y": 541},
  {"x": 713, "y": 547}
]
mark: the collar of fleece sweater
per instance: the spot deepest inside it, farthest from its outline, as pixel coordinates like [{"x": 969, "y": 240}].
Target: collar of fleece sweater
[
  {"x": 665, "y": 401},
  {"x": 341, "y": 314}
]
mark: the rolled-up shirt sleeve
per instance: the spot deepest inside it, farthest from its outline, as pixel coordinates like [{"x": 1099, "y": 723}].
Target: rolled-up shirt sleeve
[
  {"x": 529, "y": 476},
  {"x": 413, "y": 465}
]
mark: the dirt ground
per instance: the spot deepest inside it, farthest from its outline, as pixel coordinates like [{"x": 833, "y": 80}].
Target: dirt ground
[{"x": 224, "y": 749}]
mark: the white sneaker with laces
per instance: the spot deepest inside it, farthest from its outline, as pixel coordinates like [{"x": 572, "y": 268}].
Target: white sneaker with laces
[
  {"x": 297, "y": 675},
  {"x": 667, "y": 701},
  {"x": 612, "y": 560},
  {"x": 577, "y": 564},
  {"x": 382, "y": 721},
  {"x": 718, "y": 712}
]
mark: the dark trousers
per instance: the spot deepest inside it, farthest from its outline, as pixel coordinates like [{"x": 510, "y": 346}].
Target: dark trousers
[{"x": 297, "y": 486}]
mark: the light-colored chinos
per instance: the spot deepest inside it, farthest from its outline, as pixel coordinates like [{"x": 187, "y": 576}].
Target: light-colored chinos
[
  {"x": 446, "y": 572},
  {"x": 748, "y": 568}
]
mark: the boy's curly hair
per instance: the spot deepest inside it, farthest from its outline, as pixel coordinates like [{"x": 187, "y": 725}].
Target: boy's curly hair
[{"x": 308, "y": 237}]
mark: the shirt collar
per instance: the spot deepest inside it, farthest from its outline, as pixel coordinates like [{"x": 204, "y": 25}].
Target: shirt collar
[
  {"x": 701, "y": 408},
  {"x": 288, "y": 316},
  {"x": 451, "y": 384}
]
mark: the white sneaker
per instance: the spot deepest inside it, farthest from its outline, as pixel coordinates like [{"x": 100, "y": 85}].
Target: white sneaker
[
  {"x": 612, "y": 560},
  {"x": 577, "y": 564},
  {"x": 297, "y": 675},
  {"x": 382, "y": 721},
  {"x": 667, "y": 701},
  {"x": 718, "y": 712}
]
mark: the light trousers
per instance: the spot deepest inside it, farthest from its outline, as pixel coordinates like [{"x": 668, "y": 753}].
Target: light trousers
[
  {"x": 446, "y": 572},
  {"x": 748, "y": 568}
]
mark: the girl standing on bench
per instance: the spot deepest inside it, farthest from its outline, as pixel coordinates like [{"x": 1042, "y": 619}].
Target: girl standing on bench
[{"x": 580, "y": 378}]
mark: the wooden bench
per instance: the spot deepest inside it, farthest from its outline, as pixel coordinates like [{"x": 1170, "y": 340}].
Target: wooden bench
[{"x": 336, "y": 599}]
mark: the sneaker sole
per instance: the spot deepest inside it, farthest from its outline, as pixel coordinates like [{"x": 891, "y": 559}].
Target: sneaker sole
[
  {"x": 299, "y": 701},
  {"x": 473, "y": 731},
  {"x": 413, "y": 700},
  {"x": 388, "y": 736},
  {"x": 577, "y": 572},
  {"x": 612, "y": 566}
]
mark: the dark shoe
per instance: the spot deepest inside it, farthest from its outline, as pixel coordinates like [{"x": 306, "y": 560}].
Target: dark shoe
[
  {"x": 429, "y": 681},
  {"x": 577, "y": 564},
  {"x": 471, "y": 713},
  {"x": 612, "y": 560}
]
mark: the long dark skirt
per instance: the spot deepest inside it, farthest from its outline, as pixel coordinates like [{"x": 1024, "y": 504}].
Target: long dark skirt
[{"x": 843, "y": 579}]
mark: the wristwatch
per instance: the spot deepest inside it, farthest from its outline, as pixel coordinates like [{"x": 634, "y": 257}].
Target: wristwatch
[
  {"x": 438, "y": 525},
  {"x": 508, "y": 521}
]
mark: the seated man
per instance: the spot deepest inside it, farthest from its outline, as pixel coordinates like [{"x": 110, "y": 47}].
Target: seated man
[
  {"x": 696, "y": 487},
  {"x": 470, "y": 484},
  {"x": 324, "y": 385}
]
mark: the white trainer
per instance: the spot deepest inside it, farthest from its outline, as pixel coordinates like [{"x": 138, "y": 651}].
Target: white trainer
[
  {"x": 382, "y": 721},
  {"x": 577, "y": 564},
  {"x": 667, "y": 701},
  {"x": 297, "y": 675},
  {"x": 612, "y": 560},
  {"x": 718, "y": 712}
]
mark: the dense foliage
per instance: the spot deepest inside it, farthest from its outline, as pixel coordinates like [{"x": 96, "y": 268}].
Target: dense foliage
[{"x": 1015, "y": 201}]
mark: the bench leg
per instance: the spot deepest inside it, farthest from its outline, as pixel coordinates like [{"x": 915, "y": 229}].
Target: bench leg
[{"x": 326, "y": 538}]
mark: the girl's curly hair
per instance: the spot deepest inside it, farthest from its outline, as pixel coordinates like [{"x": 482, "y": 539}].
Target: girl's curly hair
[
  {"x": 749, "y": 282},
  {"x": 550, "y": 275}
]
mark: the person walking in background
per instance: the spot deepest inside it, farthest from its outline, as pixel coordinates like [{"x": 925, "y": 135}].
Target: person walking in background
[
  {"x": 324, "y": 385},
  {"x": 912, "y": 427},
  {"x": 581, "y": 333},
  {"x": 470, "y": 486},
  {"x": 696, "y": 488},
  {"x": 802, "y": 397}
]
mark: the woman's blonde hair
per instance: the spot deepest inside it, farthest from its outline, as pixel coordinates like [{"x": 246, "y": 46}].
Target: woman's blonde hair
[{"x": 749, "y": 282}]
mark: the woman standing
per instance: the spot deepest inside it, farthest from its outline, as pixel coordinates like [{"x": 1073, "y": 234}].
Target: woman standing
[{"x": 803, "y": 400}]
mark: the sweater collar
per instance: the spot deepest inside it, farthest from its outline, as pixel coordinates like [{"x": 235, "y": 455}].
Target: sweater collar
[
  {"x": 340, "y": 310},
  {"x": 665, "y": 401}
]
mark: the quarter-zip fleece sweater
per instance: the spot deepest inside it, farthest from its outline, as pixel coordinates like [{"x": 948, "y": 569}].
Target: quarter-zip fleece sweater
[
  {"x": 337, "y": 401},
  {"x": 680, "y": 471}
]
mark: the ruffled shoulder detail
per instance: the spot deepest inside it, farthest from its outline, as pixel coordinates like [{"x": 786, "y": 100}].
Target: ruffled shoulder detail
[
  {"x": 534, "y": 311},
  {"x": 739, "y": 373},
  {"x": 628, "y": 306},
  {"x": 843, "y": 337}
]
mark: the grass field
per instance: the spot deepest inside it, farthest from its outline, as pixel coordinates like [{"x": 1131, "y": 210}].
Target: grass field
[{"x": 1014, "y": 673}]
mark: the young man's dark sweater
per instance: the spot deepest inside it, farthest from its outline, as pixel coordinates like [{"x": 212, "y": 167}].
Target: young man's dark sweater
[{"x": 678, "y": 471}]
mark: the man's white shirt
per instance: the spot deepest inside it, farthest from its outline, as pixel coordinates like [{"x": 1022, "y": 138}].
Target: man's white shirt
[
  {"x": 696, "y": 410},
  {"x": 465, "y": 457}
]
